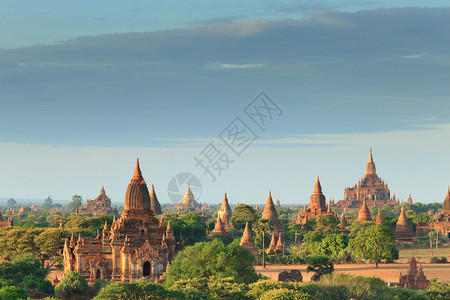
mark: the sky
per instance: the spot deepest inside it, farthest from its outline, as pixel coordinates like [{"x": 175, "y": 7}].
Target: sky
[{"x": 246, "y": 97}]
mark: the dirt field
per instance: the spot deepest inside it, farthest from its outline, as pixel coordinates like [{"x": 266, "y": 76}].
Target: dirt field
[{"x": 387, "y": 272}]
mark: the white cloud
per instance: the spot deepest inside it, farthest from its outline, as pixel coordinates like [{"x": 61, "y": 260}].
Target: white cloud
[{"x": 233, "y": 66}]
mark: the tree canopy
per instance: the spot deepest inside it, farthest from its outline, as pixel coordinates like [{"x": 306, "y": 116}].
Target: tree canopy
[
  {"x": 375, "y": 243},
  {"x": 213, "y": 259}
]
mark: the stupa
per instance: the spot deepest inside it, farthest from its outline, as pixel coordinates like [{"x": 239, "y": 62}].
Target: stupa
[
  {"x": 247, "y": 241},
  {"x": 364, "y": 214},
  {"x": 403, "y": 233}
]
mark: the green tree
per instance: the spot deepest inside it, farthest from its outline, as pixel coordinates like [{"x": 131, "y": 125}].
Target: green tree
[
  {"x": 327, "y": 224},
  {"x": 76, "y": 202},
  {"x": 320, "y": 265},
  {"x": 71, "y": 284},
  {"x": 11, "y": 203},
  {"x": 24, "y": 270},
  {"x": 43, "y": 243},
  {"x": 357, "y": 227},
  {"x": 135, "y": 290},
  {"x": 213, "y": 259},
  {"x": 13, "y": 293},
  {"x": 375, "y": 243},
  {"x": 261, "y": 227},
  {"x": 332, "y": 245},
  {"x": 244, "y": 213},
  {"x": 438, "y": 290}
]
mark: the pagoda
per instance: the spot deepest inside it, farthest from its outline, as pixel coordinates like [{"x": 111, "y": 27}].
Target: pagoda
[
  {"x": 414, "y": 278},
  {"x": 364, "y": 213},
  {"x": 379, "y": 219},
  {"x": 317, "y": 205},
  {"x": 270, "y": 213},
  {"x": 370, "y": 188},
  {"x": 156, "y": 207},
  {"x": 403, "y": 233},
  {"x": 343, "y": 222},
  {"x": 188, "y": 201},
  {"x": 225, "y": 213},
  {"x": 247, "y": 241},
  {"x": 99, "y": 206},
  {"x": 135, "y": 246}
]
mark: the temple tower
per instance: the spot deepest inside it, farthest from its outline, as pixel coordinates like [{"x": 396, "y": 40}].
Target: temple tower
[
  {"x": 364, "y": 214},
  {"x": 403, "y": 232},
  {"x": 154, "y": 203},
  {"x": 247, "y": 241}
]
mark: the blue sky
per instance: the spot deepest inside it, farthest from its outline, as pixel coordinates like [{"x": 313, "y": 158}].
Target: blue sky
[{"x": 86, "y": 88}]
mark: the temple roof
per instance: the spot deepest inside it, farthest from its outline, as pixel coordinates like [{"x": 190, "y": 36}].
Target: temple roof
[
  {"x": 137, "y": 197},
  {"x": 446, "y": 204},
  {"x": 402, "y": 220},
  {"x": 364, "y": 213},
  {"x": 188, "y": 200},
  {"x": 379, "y": 219},
  {"x": 370, "y": 168},
  {"x": 343, "y": 223},
  {"x": 154, "y": 201},
  {"x": 269, "y": 212},
  {"x": 317, "y": 187},
  {"x": 225, "y": 207},
  {"x": 137, "y": 175},
  {"x": 247, "y": 236}
]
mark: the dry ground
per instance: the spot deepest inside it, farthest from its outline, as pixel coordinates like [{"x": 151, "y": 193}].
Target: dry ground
[{"x": 387, "y": 272}]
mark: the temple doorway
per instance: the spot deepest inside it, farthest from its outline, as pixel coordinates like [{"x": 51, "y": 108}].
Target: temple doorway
[
  {"x": 97, "y": 274},
  {"x": 146, "y": 269}
]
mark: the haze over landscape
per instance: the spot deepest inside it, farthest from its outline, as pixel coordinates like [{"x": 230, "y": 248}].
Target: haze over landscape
[{"x": 85, "y": 88}]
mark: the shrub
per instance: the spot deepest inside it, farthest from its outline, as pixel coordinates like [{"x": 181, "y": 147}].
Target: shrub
[
  {"x": 136, "y": 290},
  {"x": 13, "y": 293},
  {"x": 99, "y": 284},
  {"x": 438, "y": 260},
  {"x": 30, "y": 282},
  {"x": 72, "y": 283},
  {"x": 438, "y": 290},
  {"x": 284, "y": 294}
]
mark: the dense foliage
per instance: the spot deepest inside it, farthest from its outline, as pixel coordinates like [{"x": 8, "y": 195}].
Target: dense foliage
[
  {"x": 207, "y": 259},
  {"x": 71, "y": 284}
]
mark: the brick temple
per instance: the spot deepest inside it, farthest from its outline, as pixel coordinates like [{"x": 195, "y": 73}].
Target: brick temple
[
  {"x": 317, "y": 205},
  {"x": 5, "y": 223},
  {"x": 99, "y": 206},
  {"x": 371, "y": 189},
  {"x": 136, "y": 245},
  {"x": 440, "y": 222}
]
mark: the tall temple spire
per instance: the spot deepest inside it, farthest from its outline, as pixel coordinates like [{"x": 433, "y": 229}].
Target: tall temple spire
[
  {"x": 137, "y": 172},
  {"x": 317, "y": 187},
  {"x": 102, "y": 191},
  {"x": 247, "y": 240},
  {"x": 370, "y": 168},
  {"x": 154, "y": 201},
  {"x": 137, "y": 197},
  {"x": 269, "y": 212},
  {"x": 446, "y": 203}
]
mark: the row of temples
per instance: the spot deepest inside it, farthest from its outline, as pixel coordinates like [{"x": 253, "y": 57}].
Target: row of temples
[{"x": 136, "y": 245}]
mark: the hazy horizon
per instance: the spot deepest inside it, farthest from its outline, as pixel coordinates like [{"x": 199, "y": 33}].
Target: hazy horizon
[{"x": 86, "y": 88}]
